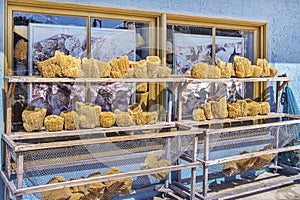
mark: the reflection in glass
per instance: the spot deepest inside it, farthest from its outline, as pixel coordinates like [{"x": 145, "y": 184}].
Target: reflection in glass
[
  {"x": 114, "y": 38},
  {"x": 36, "y": 38},
  {"x": 111, "y": 39},
  {"x": 186, "y": 46},
  {"x": 234, "y": 42},
  {"x": 231, "y": 43}
]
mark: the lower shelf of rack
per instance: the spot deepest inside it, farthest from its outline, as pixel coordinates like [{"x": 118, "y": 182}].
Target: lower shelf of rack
[{"x": 264, "y": 185}]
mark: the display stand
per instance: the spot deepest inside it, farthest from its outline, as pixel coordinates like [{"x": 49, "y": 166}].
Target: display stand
[{"x": 21, "y": 145}]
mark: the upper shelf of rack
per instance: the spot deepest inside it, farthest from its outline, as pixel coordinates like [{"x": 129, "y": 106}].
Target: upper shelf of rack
[
  {"x": 262, "y": 79},
  {"x": 172, "y": 78}
]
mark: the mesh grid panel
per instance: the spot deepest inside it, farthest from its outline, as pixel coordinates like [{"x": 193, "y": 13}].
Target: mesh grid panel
[
  {"x": 75, "y": 162},
  {"x": 227, "y": 144},
  {"x": 231, "y": 143}
]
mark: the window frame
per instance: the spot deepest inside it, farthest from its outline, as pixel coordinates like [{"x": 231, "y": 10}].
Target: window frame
[
  {"x": 259, "y": 29},
  {"x": 77, "y": 10}
]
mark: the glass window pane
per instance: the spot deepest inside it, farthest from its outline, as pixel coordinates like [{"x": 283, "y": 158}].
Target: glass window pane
[
  {"x": 114, "y": 38},
  {"x": 36, "y": 38},
  {"x": 234, "y": 42},
  {"x": 186, "y": 46},
  {"x": 231, "y": 43},
  {"x": 111, "y": 39}
]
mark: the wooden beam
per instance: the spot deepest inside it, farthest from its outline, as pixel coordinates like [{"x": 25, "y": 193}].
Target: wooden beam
[
  {"x": 82, "y": 132},
  {"x": 80, "y": 8},
  {"x": 49, "y": 145},
  {"x": 170, "y": 79},
  {"x": 9, "y": 184},
  {"x": 192, "y": 123},
  {"x": 251, "y": 155},
  {"x": 252, "y": 127},
  {"x": 41, "y": 188},
  {"x": 214, "y": 21}
]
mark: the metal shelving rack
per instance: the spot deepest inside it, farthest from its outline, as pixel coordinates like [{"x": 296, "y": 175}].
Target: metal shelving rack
[{"x": 18, "y": 144}]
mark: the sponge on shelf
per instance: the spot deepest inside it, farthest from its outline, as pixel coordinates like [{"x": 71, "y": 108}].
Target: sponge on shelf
[{"x": 54, "y": 123}]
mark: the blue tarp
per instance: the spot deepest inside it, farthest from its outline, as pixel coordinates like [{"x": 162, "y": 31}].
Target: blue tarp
[{"x": 290, "y": 106}]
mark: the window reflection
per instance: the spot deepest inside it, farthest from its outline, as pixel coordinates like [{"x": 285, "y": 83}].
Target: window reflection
[
  {"x": 186, "y": 46},
  {"x": 111, "y": 39},
  {"x": 234, "y": 42},
  {"x": 36, "y": 38},
  {"x": 115, "y": 38}
]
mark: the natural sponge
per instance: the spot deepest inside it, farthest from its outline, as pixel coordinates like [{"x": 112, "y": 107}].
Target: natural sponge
[
  {"x": 244, "y": 107},
  {"x": 33, "y": 119},
  {"x": 164, "y": 72},
  {"x": 59, "y": 194},
  {"x": 230, "y": 168},
  {"x": 136, "y": 112},
  {"x": 63, "y": 66},
  {"x": 125, "y": 186},
  {"x": 95, "y": 190},
  {"x": 218, "y": 107},
  {"x": 123, "y": 118},
  {"x": 265, "y": 108},
  {"x": 51, "y": 71},
  {"x": 88, "y": 114},
  {"x": 71, "y": 119},
  {"x": 114, "y": 185},
  {"x": 119, "y": 67},
  {"x": 242, "y": 67},
  {"x": 214, "y": 72},
  {"x": 198, "y": 114},
  {"x": 200, "y": 70},
  {"x": 153, "y": 64},
  {"x": 224, "y": 69},
  {"x": 155, "y": 160},
  {"x": 234, "y": 110},
  {"x": 78, "y": 188},
  {"x": 207, "y": 110},
  {"x": 93, "y": 68},
  {"x": 107, "y": 119},
  {"x": 264, "y": 65},
  {"x": 140, "y": 71},
  {"x": 264, "y": 159},
  {"x": 256, "y": 71},
  {"x": 254, "y": 108},
  {"x": 54, "y": 123},
  {"x": 77, "y": 196},
  {"x": 150, "y": 117},
  {"x": 267, "y": 69}
]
